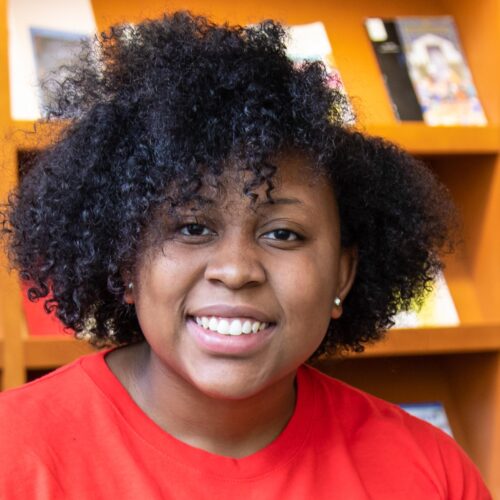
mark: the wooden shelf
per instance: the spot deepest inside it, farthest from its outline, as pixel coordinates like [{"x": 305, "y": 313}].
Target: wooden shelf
[
  {"x": 421, "y": 139},
  {"x": 47, "y": 352},
  {"x": 34, "y": 135},
  {"x": 425, "y": 341}
]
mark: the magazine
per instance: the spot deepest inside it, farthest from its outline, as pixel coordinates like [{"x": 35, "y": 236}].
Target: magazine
[
  {"x": 439, "y": 72},
  {"x": 309, "y": 42},
  {"x": 36, "y": 30},
  {"x": 387, "y": 46},
  {"x": 438, "y": 309},
  {"x": 432, "y": 412},
  {"x": 53, "y": 51}
]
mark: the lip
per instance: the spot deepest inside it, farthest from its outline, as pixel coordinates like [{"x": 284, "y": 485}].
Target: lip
[
  {"x": 215, "y": 343},
  {"x": 233, "y": 311}
]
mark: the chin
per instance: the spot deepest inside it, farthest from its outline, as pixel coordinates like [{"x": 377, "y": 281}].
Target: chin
[
  {"x": 230, "y": 383},
  {"x": 230, "y": 390}
]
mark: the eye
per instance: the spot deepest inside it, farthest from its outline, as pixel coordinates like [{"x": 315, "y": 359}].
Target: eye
[
  {"x": 283, "y": 235},
  {"x": 195, "y": 230}
]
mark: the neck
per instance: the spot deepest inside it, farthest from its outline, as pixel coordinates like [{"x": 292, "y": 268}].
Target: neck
[{"x": 234, "y": 428}]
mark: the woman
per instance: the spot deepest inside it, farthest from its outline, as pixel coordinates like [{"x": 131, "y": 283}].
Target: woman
[{"x": 208, "y": 214}]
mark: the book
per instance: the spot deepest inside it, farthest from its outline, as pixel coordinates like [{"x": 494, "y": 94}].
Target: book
[
  {"x": 309, "y": 42},
  {"x": 31, "y": 22},
  {"x": 391, "y": 59},
  {"x": 437, "y": 309},
  {"x": 438, "y": 70},
  {"x": 53, "y": 51},
  {"x": 432, "y": 412}
]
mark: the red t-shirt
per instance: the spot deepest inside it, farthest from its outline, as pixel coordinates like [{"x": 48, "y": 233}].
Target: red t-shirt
[{"x": 77, "y": 434}]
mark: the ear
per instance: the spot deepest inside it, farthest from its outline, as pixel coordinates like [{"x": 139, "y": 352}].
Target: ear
[{"x": 346, "y": 274}]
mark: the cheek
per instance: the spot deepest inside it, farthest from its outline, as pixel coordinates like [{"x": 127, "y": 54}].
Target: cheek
[
  {"x": 164, "y": 278},
  {"x": 158, "y": 294},
  {"x": 306, "y": 292}
]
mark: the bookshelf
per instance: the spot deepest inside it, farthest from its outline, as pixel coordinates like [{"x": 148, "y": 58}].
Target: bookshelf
[{"x": 459, "y": 366}]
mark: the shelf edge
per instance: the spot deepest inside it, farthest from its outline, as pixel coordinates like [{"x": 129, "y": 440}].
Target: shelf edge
[
  {"x": 427, "y": 341},
  {"x": 421, "y": 139}
]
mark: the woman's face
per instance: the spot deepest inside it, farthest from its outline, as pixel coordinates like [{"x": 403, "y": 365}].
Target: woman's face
[{"x": 238, "y": 297}]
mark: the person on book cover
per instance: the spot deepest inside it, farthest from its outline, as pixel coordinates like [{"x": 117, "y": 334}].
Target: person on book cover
[
  {"x": 207, "y": 216},
  {"x": 440, "y": 75},
  {"x": 440, "y": 85}
]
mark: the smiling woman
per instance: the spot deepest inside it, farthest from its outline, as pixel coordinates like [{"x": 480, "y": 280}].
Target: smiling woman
[
  {"x": 208, "y": 216},
  {"x": 276, "y": 267}
]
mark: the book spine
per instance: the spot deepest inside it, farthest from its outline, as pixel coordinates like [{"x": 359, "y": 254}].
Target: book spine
[{"x": 391, "y": 59}]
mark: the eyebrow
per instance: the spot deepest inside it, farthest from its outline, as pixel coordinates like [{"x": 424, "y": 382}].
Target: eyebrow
[
  {"x": 280, "y": 201},
  {"x": 209, "y": 204}
]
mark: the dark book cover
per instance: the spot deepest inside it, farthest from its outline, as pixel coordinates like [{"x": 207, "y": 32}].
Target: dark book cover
[{"x": 391, "y": 59}]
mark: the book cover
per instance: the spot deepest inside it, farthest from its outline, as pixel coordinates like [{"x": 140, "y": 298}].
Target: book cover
[
  {"x": 309, "y": 42},
  {"x": 432, "y": 412},
  {"x": 391, "y": 59},
  {"x": 53, "y": 50},
  {"x": 68, "y": 19},
  {"x": 438, "y": 309},
  {"x": 439, "y": 72}
]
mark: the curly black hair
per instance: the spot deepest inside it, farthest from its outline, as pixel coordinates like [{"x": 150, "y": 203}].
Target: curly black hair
[{"x": 155, "y": 109}]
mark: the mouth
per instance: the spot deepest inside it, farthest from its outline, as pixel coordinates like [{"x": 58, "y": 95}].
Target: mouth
[
  {"x": 231, "y": 326},
  {"x": 230, "y": 336}
]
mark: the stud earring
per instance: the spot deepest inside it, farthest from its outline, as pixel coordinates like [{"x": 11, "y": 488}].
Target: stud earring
[
  {"x": 337, "y": 301},
  {"x": 127, "y": 297}
]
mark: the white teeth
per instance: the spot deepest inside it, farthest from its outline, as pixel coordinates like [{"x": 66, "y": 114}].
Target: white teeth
[
  {"x": 235, "y": 328},
  {"x": 230, "y": 326},
  {"x": 212, "y": 324},
  {"x": 223, "y": 326},
  {"x": 247, "y": 327}
]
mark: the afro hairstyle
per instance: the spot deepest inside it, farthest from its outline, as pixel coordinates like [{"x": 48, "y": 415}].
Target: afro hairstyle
[{"x": 154, "y": 110}]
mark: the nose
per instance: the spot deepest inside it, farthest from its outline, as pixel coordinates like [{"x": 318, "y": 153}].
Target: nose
[{"x": 235, "y": 263}]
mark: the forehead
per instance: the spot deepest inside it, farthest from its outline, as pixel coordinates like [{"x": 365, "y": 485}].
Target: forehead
[{"x": 295, "y": 181}]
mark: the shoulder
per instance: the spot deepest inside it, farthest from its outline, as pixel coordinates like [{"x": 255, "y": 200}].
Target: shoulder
[
  {"x": 28, "y": 396},
  {"x": 38, "y": 419},
  {"x": 35, "y": 410},
  {"x": 379, "y": 433},
  {"x": 57, "y": 384}
]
